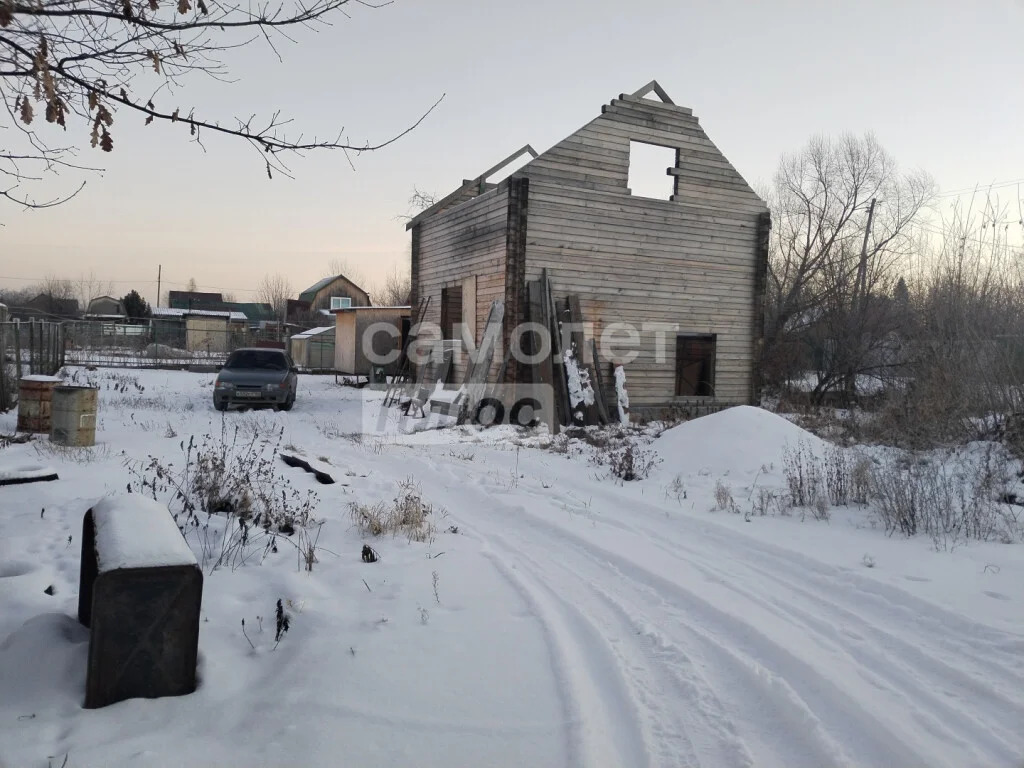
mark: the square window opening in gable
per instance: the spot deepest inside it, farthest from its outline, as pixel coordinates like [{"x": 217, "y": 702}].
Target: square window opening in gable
[
  {"x": 695, "y": 366},
  {"x": 648, "y": 170}
]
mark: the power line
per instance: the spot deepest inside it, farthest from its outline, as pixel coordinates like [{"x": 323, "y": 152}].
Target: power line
[
  {"x": 980, "y": 187},
  {"x": 183, "y": 284}
]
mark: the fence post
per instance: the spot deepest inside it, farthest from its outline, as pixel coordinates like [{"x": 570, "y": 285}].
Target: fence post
[
  {"x": 17, "y": 350},
  {"x": 3, "y": 366},
  {"x": 63, "y": 346},
  {"x": 51, "y": 350}
]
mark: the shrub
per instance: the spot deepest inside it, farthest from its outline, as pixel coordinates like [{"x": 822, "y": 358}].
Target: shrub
[
  {"x": 723, "y": 497},
  {"x": 631, "y": 462},
  {"x": 229, "y": 496},
  {"x": 803, "y": 474},
  {"x": 407, "y": 514},
  {"x": 947, "y": 498}
]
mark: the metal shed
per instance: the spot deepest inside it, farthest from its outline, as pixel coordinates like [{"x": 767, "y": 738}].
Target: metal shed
[{"x": 313, "y": 349}]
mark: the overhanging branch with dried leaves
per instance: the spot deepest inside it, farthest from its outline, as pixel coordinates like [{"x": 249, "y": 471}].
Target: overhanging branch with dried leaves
[{"x": 82, "y": 62}]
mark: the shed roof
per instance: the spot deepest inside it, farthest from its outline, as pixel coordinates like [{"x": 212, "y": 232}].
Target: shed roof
[
  {"x": 175, "y": 312},
  {"x": 314, "y": 332}
]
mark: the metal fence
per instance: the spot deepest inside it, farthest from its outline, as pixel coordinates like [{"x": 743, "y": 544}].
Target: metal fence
[
  {"x": 28, "y": 347},
  {"x": 199, "y": 342}
]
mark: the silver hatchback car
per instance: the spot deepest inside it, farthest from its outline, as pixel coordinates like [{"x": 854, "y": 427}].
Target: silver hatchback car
[{"x": 256, "y": 377}]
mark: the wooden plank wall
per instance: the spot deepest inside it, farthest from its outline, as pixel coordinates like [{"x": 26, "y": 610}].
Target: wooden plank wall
[
  {"x": 689, "y": 262},
  {"x": 466, "y": 240}
]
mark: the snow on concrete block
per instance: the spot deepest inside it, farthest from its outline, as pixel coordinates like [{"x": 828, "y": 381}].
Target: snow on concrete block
[
  {"x": 133, "y": 531},
  {"x": 140, "y": 593}
]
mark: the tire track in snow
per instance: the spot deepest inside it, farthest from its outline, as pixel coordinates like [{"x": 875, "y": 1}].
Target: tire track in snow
[
  {"x": 798, "y": 717},
  {"x": 868, "y": 643},
  {"x": 993, "y": 654},
  {"x": 641, "y": 672},
  {"x": 714, "y": 727},
  {"x": 594, "y": 697}
]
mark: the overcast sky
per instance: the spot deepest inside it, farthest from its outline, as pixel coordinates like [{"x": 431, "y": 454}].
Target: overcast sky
[{"x": 938, "y": 82}]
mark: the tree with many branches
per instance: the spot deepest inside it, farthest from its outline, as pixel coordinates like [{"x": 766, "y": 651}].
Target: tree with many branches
[
  {"x": 79, "y": 64},
  {"x": 844, "y": 216}
]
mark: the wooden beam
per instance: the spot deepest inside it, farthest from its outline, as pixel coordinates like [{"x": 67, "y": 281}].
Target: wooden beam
[
  {"x": 764, "y": 229},
  {"x": 581, "y": 351},
  {"x": 653, "y": 86},
  {"x": 515, "y": 265},
  {"x": 599, "y": 383},
  {"x": 542, "y": 372},
  {"x": 467, "y": 186}
]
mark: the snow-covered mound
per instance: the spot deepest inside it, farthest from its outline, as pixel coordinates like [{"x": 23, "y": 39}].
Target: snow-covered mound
[{"x": 733, "y": 441}]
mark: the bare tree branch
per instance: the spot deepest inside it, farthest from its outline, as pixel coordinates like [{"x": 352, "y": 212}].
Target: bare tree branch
[{"x": 79, "y": 62}]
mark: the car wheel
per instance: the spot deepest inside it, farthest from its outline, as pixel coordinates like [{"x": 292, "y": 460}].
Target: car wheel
[
  {"x": 287, "y": 404},
  {"x": 220, "y": 405}
]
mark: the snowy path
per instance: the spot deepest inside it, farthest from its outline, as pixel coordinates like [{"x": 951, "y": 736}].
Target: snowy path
[
  {"x": 571, "y": 621},
  {"x": 682, "y": 643}
]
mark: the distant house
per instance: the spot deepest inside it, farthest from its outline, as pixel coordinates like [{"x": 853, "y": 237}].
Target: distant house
[
  {"x": 198, "y": 330},
  {"x": 46, "y": 307},
  {"x": 106, "y": 308},
  {"x": 337, "y": 292},
  {"x": 192, "y": 299},
  {"x": 258, "y": 314}
]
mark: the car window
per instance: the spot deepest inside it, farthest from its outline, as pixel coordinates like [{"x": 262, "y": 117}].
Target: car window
[{"x": 248, "y": 359}]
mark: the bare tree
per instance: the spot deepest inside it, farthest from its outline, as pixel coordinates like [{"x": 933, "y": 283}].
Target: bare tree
[
  {"x": 339, "y": 265},
  {"x": 843, "y": 218},
  {"x": 79, "y": 63},
  {"x": 88, "y": 287},
  {"x": 419, "y": 201},
  {"x": 394, "y": 290},
  {"x": 275, "y": 290},
  {"x": 17, "y": 297}
]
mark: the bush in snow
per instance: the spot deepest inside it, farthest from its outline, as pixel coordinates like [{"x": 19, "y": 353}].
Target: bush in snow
[
  {"x": 950, "y": 498},
  {"x": 407, "y": 514},
  {"x": 803, "y": 474},
  {"x": 228, "y": 496},
  {"x": 723, "y": 497},
  {"x": 631, "y": 462}
]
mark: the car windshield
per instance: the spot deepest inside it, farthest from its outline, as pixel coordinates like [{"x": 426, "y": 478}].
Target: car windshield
[{"x": 247, "y": 359}]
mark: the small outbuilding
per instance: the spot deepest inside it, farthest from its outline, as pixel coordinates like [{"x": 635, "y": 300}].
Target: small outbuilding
[
  {"x": 313, "y": 350},
  {"x": 197, "y": 330},
  {"x": 362, "y": 333}
]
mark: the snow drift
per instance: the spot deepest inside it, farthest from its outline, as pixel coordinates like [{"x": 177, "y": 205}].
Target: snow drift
[{"x": 736, "y": 440}]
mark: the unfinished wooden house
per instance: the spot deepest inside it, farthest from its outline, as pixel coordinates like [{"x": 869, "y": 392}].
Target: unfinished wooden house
[{"x": 684, "y": 272}]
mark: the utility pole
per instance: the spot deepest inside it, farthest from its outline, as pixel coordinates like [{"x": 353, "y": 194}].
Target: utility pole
[
  {"x": 862, "y": 269},
  {"x": 159, "y": 272},
  {"x": 859, "y": 305}
]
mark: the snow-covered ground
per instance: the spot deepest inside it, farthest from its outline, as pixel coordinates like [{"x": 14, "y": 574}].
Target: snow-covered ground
[{"x": 557, "y": 618}]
